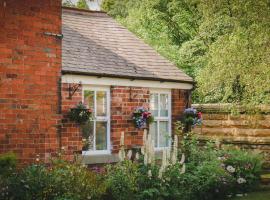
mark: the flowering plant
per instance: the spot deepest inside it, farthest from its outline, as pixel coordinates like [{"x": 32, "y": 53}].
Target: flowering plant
[
  {"x": 142, "y": 117},
  {"x": 192, "y": 117},
  {"x": 80, "y": 114}
]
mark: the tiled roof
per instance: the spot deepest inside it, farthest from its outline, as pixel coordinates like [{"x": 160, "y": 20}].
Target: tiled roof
[{"x": 96, "y": 44}]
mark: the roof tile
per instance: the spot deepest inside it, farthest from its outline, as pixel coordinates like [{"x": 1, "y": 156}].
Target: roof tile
[{"x": 96, "y": 44}]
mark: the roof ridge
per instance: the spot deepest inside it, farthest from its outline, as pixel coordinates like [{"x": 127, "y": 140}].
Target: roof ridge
[{"x": 82, "y": 10}]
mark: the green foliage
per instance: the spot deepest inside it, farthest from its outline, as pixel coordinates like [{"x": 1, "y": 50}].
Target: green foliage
[
  {"x": 61, "y": 181},
  {"x": 207, "y": 158},
  {"x": 68, "y": 3},
  {"x": 7, "y": 166},
  {"x": 82, "y": 4},
  {"x": 248, "y": 165},
  {"x": 210, "y": 173},
  {"x": 121, "y": 180},
  {"x": 8, "y": 163},
  {"x": 80, "y": 114},
  {"x": 223, "y": 44}
]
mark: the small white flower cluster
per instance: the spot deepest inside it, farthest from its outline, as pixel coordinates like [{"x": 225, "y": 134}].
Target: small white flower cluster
[
  {"x": 148, "y": 148},
  {"x": 171, "y": 159},
  {"x": 121, "y": 153},
  {"x": 241, "y": 180},
  {"x": 230, "y": 169}
]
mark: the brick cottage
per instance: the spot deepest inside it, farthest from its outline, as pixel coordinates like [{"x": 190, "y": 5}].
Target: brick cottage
[{"x": 97, "y": 62}]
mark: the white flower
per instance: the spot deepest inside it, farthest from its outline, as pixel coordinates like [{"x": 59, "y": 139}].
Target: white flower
[
  {"x": 182, "y": 159},
  {"x": 121, "y": 153},
  {"x": 149, "y": 173},
  {"x": 183, "y": 170},
  {"x": 129, "y": 154},
  {"x": 241, "y": 180},
  {"x": 221, "y": 158},
  {"x": 137, "y": 156},
  {"x": 230, "y": 169}
]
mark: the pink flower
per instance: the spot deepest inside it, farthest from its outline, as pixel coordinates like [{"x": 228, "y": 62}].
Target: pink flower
[{"x": 199, "y": 115}]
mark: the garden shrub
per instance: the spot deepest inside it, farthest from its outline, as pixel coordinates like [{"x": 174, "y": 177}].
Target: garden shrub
[
  {"x": 60, "y": 181},
  {"x": 149, "y": 183},
  {"x": 200, "y": 172},
  {"x": 246, "y": 167},
  {"x": 121, "y": 180},
  {"x": 8, "y": 163}
]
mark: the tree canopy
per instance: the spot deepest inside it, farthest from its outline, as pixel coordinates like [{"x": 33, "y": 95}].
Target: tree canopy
[
  {"x": 223, "y": 45},
  {"x": 82, "y": 4}
]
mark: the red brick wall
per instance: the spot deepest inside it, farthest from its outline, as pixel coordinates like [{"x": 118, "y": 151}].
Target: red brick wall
[
  {"x": 71, "y": 137},
  {"x": 123, "y": 102},
  {"x": 180, "y": 101},
  {"x": 30, "y": 67}
]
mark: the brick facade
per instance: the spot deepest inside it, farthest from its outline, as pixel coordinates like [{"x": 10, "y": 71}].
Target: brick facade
[
  {"x": 34, "y": 103},
  {"x": 123, "y": 102},
  {"x": 30, "y": 67},
  {"x": 71, "y": 137}
]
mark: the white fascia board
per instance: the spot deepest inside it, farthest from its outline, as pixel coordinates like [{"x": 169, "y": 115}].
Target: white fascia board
[{"x": 107, "y": 81}]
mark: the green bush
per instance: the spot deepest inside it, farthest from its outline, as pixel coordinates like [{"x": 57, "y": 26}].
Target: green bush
[
  {"x": 8, "y": 163},
  {"x": 60, "y": 181},
  {"x": 121, "y": 181},
  {"x": 209, "y": 166},
  {"x": 208, "y": 173},
  {"x": 247, "y": 167}
]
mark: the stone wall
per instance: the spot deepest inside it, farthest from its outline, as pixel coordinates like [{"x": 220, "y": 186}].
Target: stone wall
[
  {"x": 245, "y": 129},
  {"x": 30, "y": 69}
]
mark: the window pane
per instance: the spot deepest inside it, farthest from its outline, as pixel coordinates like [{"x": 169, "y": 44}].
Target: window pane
[
  {"x": 101, "y": 103},
  {"x": 163, "y": 134},
  {"x": 88, "y": 136},
  {"x": 164, "y": 105},
  {"x": 154, "y": 104},
  {"x": 101, "y": 135},
  {"x": 89, "y": 98},
  {"x": 153, "y": 132}
]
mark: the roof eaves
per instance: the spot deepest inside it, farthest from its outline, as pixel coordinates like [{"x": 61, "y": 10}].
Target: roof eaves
[
  {"x": 126, "y": 76},
  {"x": 82, "y": 10}
]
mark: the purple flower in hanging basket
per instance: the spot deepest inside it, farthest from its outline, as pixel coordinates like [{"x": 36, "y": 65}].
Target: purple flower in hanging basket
[
  {"x": 142, "y": 117},
  {"x": 192, "y": 117}
]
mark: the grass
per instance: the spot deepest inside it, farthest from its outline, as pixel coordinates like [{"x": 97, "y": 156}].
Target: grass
[{"x": 265, "y": 195}]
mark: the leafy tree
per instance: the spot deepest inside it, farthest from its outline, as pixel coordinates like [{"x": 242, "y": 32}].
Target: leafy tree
[
  {"x": 82, "y": 4},
  {"x": 223, "y": 44},
  {"x": 237, "y": 68},
  {"x": 68, "y": 3}
]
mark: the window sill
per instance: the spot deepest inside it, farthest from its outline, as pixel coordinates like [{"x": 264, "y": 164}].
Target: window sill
[
  {"x": 90, "y": 159},
  {"x": 99, "y": 158},
  {"x": 91, "y": 153}
]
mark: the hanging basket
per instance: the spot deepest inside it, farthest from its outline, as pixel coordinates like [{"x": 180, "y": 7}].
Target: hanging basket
[
  {"x": 142, "y": 117},
  {"x": 80, "y": 114}
]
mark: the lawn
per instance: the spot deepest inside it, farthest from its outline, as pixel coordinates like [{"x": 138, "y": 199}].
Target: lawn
[{"x": 256, "y": 196}]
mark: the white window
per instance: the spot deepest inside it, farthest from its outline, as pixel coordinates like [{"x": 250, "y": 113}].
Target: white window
[
  {"x": 96, "y": 133},
  {"x": 160, "y": 107}
]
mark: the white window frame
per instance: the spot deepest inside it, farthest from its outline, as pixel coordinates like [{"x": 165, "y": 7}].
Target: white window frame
[
  {"x": 104, "y": 119},
  {"x": 159, "y": 119}
]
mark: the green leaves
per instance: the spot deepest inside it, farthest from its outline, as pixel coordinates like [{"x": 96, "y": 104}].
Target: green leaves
[{"x": 220, "y": 43}]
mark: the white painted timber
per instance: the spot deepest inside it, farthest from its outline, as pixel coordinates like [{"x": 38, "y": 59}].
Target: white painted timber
[{"x": 106, "y": 81}]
